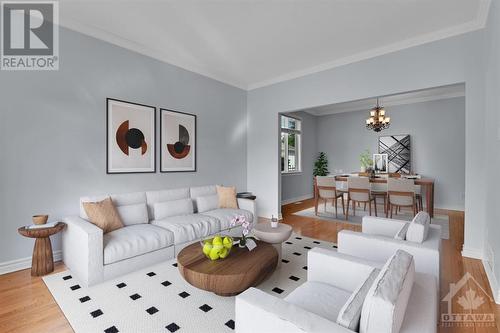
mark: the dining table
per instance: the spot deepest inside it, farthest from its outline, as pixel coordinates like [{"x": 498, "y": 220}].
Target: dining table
[{"x": 427, "y": 185}]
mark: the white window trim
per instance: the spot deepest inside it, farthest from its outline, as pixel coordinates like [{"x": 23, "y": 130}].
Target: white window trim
[{"x": 298, "y": 148}]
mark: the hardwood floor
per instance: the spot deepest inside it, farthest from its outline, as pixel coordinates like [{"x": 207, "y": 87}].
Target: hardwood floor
[{"x": 27, "y": 306}]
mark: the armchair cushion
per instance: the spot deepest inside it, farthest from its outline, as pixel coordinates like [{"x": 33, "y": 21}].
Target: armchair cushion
[
  {"x": 319, "y": 298},
  {"x": 385, "y": 304},
  {"x": 401, "y": 234},
  {"x": 419, "y": 228},
  {"x": 350, "y": 314}
]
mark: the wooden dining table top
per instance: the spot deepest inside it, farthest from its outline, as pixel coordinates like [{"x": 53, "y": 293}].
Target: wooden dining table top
[{"x": 383, "y": 180}]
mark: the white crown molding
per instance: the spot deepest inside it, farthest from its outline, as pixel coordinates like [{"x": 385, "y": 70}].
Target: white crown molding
[
  {"x": 478, "y": 23},
  {"x": 23, "y": 263},
  {"x": 92, "y": 31},
  {"x": 403, "y": 101}
]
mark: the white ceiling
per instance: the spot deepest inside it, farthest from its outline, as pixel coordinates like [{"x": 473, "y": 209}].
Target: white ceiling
[
  {"x": 250, "y": 44},
  {"x": 432, "y": 94}
]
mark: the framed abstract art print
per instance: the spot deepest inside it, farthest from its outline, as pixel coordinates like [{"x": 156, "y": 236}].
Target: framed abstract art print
[
  {"x": 130, "y": 138},
  {"x": 177, "y": 141}
]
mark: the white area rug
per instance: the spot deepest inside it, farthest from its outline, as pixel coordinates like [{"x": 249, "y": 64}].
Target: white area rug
[
  {"x": 157, "y": 299},
  {"x": 329, "y": 215}
]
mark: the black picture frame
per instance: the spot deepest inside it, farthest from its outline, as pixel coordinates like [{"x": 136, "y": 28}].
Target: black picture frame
[
  {"x": 153, "y": 137},
  {"x": 195, "y": 119}
]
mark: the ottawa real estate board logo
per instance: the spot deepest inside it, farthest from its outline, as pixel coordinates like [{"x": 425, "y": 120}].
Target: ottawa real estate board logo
[{"x": 29, "y": 35}]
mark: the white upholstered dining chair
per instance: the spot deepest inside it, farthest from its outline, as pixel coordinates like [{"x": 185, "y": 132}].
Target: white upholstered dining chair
[
  {"x": 326, "y": 189},
  {"x": 400, "y": 193},
  {"x": 359, "y": 191}
]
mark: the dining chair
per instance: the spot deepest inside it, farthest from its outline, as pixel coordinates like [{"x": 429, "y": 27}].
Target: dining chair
[
  {"x": 400, "y": 193},
  {"x": 326, "y": 189},
  {"x": 358, "y": 190},
  {"x": 379, "y": 190}
]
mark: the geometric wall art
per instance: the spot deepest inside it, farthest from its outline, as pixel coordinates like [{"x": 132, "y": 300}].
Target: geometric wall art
[
  {"x": 398, "y": 150},
  {"x": 177, "y": 141},
  {"x": 130, "y": 138}
]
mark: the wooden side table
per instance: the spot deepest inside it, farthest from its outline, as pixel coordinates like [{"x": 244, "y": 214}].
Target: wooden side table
[{"x": 43, "y": 261}]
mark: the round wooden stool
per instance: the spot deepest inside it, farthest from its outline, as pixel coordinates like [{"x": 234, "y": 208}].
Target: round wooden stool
[{"x": 42, "y": 262}]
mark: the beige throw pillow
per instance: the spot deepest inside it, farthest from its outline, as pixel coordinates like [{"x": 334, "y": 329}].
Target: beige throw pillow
[
  {"x": 227, "y": 197},
  {"x": 103, "y": 214}
]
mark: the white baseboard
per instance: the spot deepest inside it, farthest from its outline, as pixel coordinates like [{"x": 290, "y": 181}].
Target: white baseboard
[
  {"x": 493, "y": 281},
  {"x": 23, "y": 263},
  {"x": 302, "y": 197},
  {"x": 472, "y": 253}
]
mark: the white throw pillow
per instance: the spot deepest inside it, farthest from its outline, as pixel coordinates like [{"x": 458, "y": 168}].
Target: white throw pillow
[
  {"x": 350, "y": 314},
  {"x": 419, "y": 228},
  {"x": 401, "y": 234},
  {"x": 173, "y": 208},
  {"x": 207, "y": 203},
  {"x": 385, "y": 304},
  {"x": 133, "y": 214}
]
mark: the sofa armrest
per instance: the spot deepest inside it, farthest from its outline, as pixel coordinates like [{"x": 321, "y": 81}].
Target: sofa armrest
[
  {"x": 250, "y": 205},
  {"x": 338, "y": 269},
  {"x": 381, "y": 226},
  {"x": 257, "y": 311},
  {"x": 82, "y": 245},
  {"x": 380, "y": 249}
]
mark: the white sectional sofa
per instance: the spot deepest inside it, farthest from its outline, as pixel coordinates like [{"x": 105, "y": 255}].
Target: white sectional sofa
[{"x": 158, "y": 224}]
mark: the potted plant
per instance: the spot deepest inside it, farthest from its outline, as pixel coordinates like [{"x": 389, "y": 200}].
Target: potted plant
[
  {"x": 365, "y": 158},
  {"x": 321, "y": 165}
]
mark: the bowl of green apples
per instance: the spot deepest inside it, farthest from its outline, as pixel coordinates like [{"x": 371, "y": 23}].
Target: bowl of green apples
[{"x": 217, "y": 247}]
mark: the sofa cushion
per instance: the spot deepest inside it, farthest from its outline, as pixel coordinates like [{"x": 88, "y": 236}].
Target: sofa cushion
[
  {"x": 206, "y": 203},
  {"x": 104, "y": 215},
  {"x": 134, "y": 240},
  {"x": 190, "y": 227},
  {"x": 118, "y": 200},
  {"x": 202, "y": 191},
  {"x": 319, "y": 298},
  {"x": 227, "y": 197},
  {"x": 401, "y": 234},
  {"x": 133, "y": 214},
  {"x": 173, "y": 208},
  {"x": 225, "y": 215},
  {"x": 350, "y": 314},
  {"x": 164, "y": 195},
  {"x": 385, "y": 304},
  {"x": 419, "y": 228}
]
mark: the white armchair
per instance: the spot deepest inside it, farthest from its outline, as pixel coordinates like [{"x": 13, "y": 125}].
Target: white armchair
[
  {"x": 376, "y": 242},
  {"x": 333, "y": 278}
]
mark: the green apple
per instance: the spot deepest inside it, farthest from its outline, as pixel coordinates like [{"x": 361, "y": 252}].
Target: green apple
[
  {"x": 217, "y": 240},
  {"x": 223, "y": 253},
  {"x": 214, "y": 254},
  {"x": 207, "y": 248},
  {"x": 228, "y": 242}
]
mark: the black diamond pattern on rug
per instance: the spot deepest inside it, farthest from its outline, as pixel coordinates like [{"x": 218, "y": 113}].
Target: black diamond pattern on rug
[
  {"x": 67, "y": 277},
  {"x": 111, "y": 329},
  {"x": 285, "y": 261},
  {"x": 334, "y": 246},
  {"x": 294, "y": 278},
  {"x": 184, "y": 294},
  {"x": 289, "y": 243},
  {"x": 205, "y": 308},
  {"x": 316, "y": 242},
  {"x": 152, "y": 310},
  {"x": 230, "y": 324},
  {"x": 166, "y": 283},
  {"x": 84, "y": 299},
  {"x": 172, "y": 327},
  {"x": 299, "y": 238},
  {"x": 121, "y": 285},
  {"x": 151, "y": 274},
  {"x": 297, "y": 254},
  {"x": 175, "y": 264},
  {"x": 75, "y": 287},
  {"x": 135, "y": 296},
  {"x": 305, "y": 267},
  {"x": 278, "y": 290},
  {"x": 307, "y": 247},
  {"x": 96, "y": 313}
]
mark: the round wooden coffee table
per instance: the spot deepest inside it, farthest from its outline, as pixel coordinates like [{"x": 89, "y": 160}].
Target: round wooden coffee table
[
  {"x": 42, "y": 261},
  {"x": 241, "y": 270}
]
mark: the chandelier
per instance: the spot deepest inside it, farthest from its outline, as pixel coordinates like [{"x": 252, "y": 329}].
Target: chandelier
[{"x": 378, "y": 121}]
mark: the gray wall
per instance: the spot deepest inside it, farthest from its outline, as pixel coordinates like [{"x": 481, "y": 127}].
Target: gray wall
[
  {"x": 437, "y": 133},
  {"x": 449, "y": 61},
  {"x": 298, "y": 185},
  {"x": 52, "y": 129}
]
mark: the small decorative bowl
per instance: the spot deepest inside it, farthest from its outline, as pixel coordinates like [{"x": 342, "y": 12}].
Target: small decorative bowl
[
  {"x": 219, "y": 250},
  {"x": 40, "y": 219}
]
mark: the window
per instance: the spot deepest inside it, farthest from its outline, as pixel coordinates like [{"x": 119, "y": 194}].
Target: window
[{"x": 290, "y": 144}]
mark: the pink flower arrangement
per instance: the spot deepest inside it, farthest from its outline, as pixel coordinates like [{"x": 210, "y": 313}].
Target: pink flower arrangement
[{"x": 241, "y": 220}]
